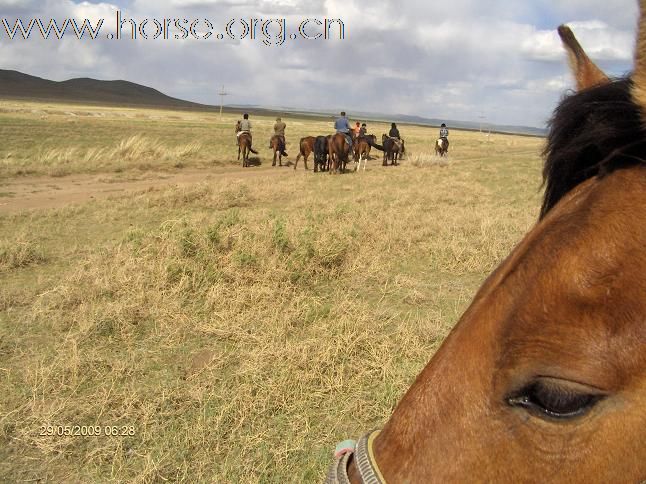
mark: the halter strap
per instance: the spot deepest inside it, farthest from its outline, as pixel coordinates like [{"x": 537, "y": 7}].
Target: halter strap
[{"x": 364, "y": 459}]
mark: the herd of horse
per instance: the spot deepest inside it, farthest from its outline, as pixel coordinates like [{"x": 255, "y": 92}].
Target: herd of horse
[
  {"x": 543, "y": 379},
  {"x": 331, "y": 153}
]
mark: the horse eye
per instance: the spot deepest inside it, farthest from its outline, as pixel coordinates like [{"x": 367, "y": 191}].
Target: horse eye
[{"x": 553, "y": 401}]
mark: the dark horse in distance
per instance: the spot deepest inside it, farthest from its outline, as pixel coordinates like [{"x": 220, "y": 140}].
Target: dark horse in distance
[
  {"x": 321, "y": 151},
  {"x": 393, "y": 149},
  {"x": 441, "y": 146}
]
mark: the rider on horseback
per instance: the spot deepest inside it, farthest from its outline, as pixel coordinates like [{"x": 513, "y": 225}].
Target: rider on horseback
[
  {"x": 444, "y": 132},
  {"x": 394, "y": 132},
  {"x": 342, "y": 125},
  {"x": 356, "y": 130},
  {"x": 279, "y": 130},
  {"x": 394, "y": 135},
  {"x": 243, "y": 126},
  {"x": 442, "y": 144}
]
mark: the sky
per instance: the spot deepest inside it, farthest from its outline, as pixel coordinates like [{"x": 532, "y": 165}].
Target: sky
[{"x": 498, "y": 62}]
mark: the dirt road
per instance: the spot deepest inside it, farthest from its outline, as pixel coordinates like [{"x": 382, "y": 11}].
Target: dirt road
[{"x": 39, "y": 193}]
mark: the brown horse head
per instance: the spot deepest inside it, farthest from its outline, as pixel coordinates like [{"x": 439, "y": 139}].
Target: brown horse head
[{"x": 543, "y": 379}]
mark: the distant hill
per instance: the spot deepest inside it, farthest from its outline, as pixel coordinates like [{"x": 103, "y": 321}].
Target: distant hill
[{"x": 16, "y": 85}]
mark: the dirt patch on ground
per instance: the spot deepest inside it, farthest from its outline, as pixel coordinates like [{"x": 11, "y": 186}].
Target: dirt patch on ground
[{"x": 40, "y": 193}]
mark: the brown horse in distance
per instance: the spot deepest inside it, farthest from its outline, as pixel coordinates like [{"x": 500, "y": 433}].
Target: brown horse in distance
[
  {"x": 338, "y": 151},
  {"x": 306, "y": 149},
  {"x": 543, "y": 379},
  {"x": 244, "y": 148},
  {"x": 361, "y": 152},
  {"x": 441, "y": 147},
  {"x": 277, "y": 146}
]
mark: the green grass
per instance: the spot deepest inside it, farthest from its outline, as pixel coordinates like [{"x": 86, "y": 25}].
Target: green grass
[{"x": 243, "y": 325}]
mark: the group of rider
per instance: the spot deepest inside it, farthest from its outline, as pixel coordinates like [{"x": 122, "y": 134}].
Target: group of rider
[{"x": 341, "y": 125}]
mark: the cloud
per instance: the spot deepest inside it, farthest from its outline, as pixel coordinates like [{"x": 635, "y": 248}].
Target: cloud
[{"x": 501, "y": 59}]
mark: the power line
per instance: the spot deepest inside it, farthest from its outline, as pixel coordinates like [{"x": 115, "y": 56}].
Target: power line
[
  {"x": 222, "y": 95},
  {"x": 481, "y": 118}
]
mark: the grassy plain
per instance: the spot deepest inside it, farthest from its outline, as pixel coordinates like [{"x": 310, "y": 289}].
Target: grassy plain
[{"x": 243, "y": 325}]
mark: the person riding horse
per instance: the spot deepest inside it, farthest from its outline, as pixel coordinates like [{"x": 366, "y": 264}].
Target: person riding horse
[
  {"x": 279, "y": 130},
  {"x": 356, "y": 130},
  {"x": 394, "y": 135},
  {"x": 442, "y": 144},
  {"x": 342, "y": 125},
  {"x": 444, "y": 132},
  {"x": 394, "y": 132},
  {"x": 243, "y": 126},
  {"x": 244, "y": 140}
]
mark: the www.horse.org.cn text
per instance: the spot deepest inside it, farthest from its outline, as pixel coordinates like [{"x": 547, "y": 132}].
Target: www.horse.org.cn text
[{"x": 269, "y": 32}]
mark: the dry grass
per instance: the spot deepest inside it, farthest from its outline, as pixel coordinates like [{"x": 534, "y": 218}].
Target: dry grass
[
  {"x": 136, "y": 151},
  {"x": 243, "y": 327},
  {"x": 19, "y": 252},
  {"x": 427, "y": 159}
]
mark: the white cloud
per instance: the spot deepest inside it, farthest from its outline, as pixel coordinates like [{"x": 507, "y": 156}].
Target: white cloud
[{"x": 502, "y": 57}]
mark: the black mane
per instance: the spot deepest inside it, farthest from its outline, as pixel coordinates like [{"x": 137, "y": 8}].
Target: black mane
[{"x": 592, "y": 133}]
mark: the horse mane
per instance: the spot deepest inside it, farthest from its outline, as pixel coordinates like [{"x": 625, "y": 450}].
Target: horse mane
[{"x": 592, "y": 133}]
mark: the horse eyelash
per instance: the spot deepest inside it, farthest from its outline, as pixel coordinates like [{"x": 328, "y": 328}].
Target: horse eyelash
[{"x": 545, "y": 399}]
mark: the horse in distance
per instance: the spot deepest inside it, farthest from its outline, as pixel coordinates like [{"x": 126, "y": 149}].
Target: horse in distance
[
  {"x": 306, "y": 147},
  {"x": 321, "y": 153},
  {"x": 338, "y": 151},
  {"x": 244, "y": 148},
  {"x": 393, "y": 149},
  {"x": 441, "y": 147},
  {"x": 277, "y": 146}
]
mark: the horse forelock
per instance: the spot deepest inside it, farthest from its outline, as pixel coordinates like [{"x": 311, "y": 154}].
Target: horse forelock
[{"x": 592, "y": 133}]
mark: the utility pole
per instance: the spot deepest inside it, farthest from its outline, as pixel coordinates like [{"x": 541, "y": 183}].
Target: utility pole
[
  {"x": 222, "y": 94},
  {"x": 481, "y": 118}
]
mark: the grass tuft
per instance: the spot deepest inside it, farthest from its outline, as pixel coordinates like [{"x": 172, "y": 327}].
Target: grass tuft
[{"x": 18, "y": 253}]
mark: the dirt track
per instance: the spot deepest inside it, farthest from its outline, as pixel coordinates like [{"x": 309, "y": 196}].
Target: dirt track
[{"x": 39, "y": 193}]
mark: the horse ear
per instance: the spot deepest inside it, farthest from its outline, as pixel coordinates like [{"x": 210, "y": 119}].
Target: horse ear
[
  {"x": 586, "y": 73},
  {"x": 639, "y": 76}
]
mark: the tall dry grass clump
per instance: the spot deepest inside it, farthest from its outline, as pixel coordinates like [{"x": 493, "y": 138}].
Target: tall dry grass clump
[
  {"x": 135, "y": 152},
  {"x": 19, "y": 252},
  {"x": 427, "y": 159},
  {"x": 138, "y": 147}
]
